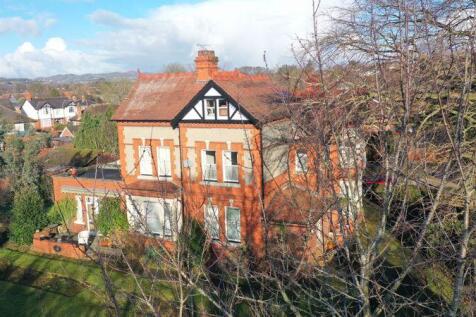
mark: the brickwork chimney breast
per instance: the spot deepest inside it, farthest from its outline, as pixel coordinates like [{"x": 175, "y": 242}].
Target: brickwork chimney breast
[{"x": 206, "y": 65}]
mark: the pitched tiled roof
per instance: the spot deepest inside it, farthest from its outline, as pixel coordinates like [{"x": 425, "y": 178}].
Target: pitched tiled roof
[
  {"x": 161, "y": 97},
  {"x": 55, "y": 103},
  {"x": 11, "y": 116}
]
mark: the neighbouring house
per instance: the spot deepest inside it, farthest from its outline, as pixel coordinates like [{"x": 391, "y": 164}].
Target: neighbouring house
[
  {"x": 49, "y": 111},
  {"x": 69, "y": 131},
  {"x": 12, "y": 117},
  {"x": 198, "y": 145}
]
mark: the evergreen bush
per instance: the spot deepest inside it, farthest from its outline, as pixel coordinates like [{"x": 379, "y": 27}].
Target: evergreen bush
[
  {"x": 111, "y": 217},
  {"x": 28, "y": 215}
]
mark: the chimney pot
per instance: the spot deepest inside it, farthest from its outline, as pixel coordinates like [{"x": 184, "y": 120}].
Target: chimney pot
[{"x": 206, "y": 65}]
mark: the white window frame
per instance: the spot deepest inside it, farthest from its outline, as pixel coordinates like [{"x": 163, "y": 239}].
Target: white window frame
[
  {"x": 206, "y": 115},
  {"x": 92, "y": 201},
  {"x": 226, "y": 225},
  {"x": 228, "y": 164},
  {"x": 218, "y": 108},
  {"x": 212, "y": 223},
  {"x": 300, "y": 168},
  {"x": 79, "y": 210},
  {"x": 204, "y": 164},
  {"x": 164, "y": 167},
  {"x": 71, "y": 109},
  {"x": 143, "y": 169},
  {"x": 165, "y": 229},
  {"x": 146, "y": 207}
]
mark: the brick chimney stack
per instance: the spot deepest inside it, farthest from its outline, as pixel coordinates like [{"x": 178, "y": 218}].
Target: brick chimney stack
[
  {"x": 27, "y": 95},
  {"x": 206, "y": 65}
]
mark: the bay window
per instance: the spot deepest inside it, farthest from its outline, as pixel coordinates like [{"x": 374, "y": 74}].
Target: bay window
[{"x": 230, "y": 166}]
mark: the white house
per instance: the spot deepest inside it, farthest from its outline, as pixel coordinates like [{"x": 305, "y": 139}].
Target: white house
[{"x": 49, "y": 111}]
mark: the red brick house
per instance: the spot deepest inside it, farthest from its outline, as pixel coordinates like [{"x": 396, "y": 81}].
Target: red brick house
[{"x": 197, "y": 144}]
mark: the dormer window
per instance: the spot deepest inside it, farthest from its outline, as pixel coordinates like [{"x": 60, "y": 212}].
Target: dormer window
[
  {"x": 71, "y": 109},
  {"x": 210, "y": 109}
]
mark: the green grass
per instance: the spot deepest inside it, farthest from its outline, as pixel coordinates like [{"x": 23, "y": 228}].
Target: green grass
[
  {"x": 43, "y": 271},
  {"x": 67, "y": 155},
  {"x": 18, "y": 300},
  {"x": 435, "y": 277}
]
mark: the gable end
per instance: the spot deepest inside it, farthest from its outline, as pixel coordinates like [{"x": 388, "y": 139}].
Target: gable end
[{"x": 194, "y": 111}]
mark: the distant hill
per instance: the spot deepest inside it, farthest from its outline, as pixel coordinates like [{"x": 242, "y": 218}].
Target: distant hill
[{"x": 85, "y": 78}]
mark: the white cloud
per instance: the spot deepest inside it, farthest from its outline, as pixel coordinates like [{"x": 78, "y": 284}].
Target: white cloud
[
  {"x": 26, "y": 27},
  {"x": 19, "y": 25},
  {"x": 54, "y": 58},
  {"x": 238, "y": 30}
]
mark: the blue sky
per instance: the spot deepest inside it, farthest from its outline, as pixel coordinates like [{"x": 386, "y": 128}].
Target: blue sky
[{"x": 47, "y": 37}]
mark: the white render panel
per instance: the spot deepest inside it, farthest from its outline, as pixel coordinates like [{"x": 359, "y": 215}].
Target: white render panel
[
  {"x": 29, "y": 110},
  {"x": 157, "y": 133},
  {"x": 192, "y": 114},
  {"x": 238, "y": 116},
  {"x": 212, "y": 93}
]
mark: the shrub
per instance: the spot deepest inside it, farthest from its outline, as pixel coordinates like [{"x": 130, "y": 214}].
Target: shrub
[
  {"x": 62, "y": 212},
  {"x": 28, "y": 215},
  {"x": 111, "y": 217},
  {"x": 97, "y": 132}
]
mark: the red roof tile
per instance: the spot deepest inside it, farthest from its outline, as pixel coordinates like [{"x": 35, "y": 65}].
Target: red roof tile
[{"x": 160, "y": 97}]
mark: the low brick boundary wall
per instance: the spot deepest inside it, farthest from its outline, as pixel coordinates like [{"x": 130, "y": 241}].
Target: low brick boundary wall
[{"x": 66, "y": 249}]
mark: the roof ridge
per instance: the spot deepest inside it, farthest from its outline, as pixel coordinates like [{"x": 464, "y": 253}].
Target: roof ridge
[
  {"x": 151, "y": 76},
  {"x": 220, "y": 75}
]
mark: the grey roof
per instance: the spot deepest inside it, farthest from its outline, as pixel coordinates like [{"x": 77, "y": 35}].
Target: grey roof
[
  {"x": 55, "y": 103},
  {"x": 9, "y": 103},
  {"x": 11, "y": 116}
]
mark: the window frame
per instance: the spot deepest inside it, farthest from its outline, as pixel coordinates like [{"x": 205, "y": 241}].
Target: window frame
[
  {"x": 93, "y": 201},
  {"x": 79, "y": 210},
  {"x": 224, "y": 166},
  {"x": 218, "y": 106},
  {"x": 158, "y": 210},
  {"x": 300, "y": 169},
  {"x": 203, "y": 158},
  {"x": 159, "y": 162},
  {"x": 206, "y": 115},
  {"x": 215, "y": 223},
  {"x": 141, "y": 157},
  {"x": 146, "y": 207},
  {"x": 167, "y": 208},
  {"x": 226, "y": 224}
]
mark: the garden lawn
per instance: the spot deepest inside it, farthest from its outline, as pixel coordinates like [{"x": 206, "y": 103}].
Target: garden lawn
[
  {"x": 434, "y": 276},
  {"x": 28, "y": 296},
  {"x": 18, "y": 300}
]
